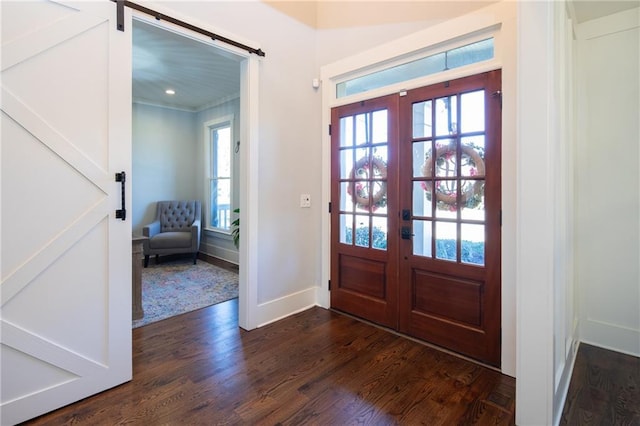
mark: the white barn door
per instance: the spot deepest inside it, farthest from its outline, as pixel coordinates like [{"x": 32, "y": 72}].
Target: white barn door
[{"x": 66, "y": 259}]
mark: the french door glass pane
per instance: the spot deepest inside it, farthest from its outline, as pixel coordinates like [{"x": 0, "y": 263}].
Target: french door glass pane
[
  {"x": 446, "y": 205},
  {"x": 379, "y": 233},
  {"x": 472, "y": 112},
  {"x": 472, "y": 157},
  {"x": 346, "y": 229},
  {"x": 382, "y": 153},
  {"x": 422, "y": 238},
  {"x": 379, "y": 201},
  {"x": 346, "y": 163},
  {"x": 472, "y": 200},
  {"x": 346, "y": 202},
  {"x": 363, "y": 129},
  {"x": 362, "y": 230},
  {"x": 379, "y": 126},
  {"x": 346, "y": 131},
  {"x": 472, "y": 243},
  {"x": 421, "y": 158},
  {"x": 446, "y": 159},
  {"x": 446, "y": 239},
  {"x": 422, "y": 119},
  {"x": 446, "y": 115},
  {"x": 421, "y": 199}
]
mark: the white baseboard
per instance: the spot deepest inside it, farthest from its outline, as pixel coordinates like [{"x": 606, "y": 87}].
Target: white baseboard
[
  {"x": 277, "y": 309},
  {"x": 560, "y": 396},
  {"x": 220, "y": 253},
  {"x": 610, "y": 336}
]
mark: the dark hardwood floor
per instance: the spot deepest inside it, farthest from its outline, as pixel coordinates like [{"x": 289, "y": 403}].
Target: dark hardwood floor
[
  {"x": 604, "y": 389},
  {"x": 317, "y": 367}
]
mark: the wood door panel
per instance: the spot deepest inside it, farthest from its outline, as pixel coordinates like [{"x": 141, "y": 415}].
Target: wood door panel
[
  {"x": 447, "y": 297},
  {"x": 362, "y": 276},
  {"x": 65, "y": 331},
  {"x": 469, "y": 341}
]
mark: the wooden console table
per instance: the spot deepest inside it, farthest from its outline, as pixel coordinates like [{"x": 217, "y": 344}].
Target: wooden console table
[{"x": 136, "y": 281}]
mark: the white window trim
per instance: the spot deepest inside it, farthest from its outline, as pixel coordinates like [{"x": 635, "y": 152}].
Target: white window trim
[{"x": 210, "y": 125}]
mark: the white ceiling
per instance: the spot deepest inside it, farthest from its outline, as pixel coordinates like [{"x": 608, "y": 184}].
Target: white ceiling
[
  {"x": 200, "y": 74},
  {"x": 203, "y": 75}
]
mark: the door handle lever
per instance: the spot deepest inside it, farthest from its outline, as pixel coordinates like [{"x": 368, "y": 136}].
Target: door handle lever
[{"x": 405, "y": 233}]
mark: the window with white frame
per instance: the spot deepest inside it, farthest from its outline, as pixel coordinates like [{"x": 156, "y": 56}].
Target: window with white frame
[
  {"x": 467, "y": 54},
  {"x": 219, "y": 185}
]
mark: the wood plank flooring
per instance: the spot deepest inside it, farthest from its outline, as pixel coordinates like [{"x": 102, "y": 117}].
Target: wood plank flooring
[
  {"x": 318, "y": 367},
  {"x": 604, "y": 389}
]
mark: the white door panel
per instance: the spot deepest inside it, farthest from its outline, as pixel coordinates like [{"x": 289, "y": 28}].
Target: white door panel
[{"x": 66, "y": 260}]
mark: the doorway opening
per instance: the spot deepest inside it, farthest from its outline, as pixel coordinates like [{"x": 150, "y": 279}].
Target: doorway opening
[{"x": 179, "y": 84}]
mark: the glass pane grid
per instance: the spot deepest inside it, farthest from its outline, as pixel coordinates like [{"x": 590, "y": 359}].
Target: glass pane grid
[
  {"x": 363, "y": 180},
  {"x": 448, "y": 178}
]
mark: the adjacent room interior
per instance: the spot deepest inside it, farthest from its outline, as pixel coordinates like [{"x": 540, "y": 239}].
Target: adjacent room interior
[{"x": 185, "y": 146}]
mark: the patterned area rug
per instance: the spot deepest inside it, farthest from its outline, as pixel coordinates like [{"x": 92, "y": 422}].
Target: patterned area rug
[{"x": 179, "y": 286}]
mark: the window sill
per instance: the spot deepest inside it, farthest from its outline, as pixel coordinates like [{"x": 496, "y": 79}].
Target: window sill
[{"x": 218, "y": 233}]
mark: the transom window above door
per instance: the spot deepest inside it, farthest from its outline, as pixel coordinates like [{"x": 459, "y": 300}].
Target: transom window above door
[{"x": 468, "y": 54}]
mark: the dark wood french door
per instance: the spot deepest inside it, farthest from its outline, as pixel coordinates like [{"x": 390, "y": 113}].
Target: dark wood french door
[
  {"x": 416, "y": 213},
  {"x": 364, "y": 170}
]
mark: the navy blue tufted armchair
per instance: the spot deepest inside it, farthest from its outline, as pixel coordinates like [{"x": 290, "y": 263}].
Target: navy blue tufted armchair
[{"x": 176, "y": 229}]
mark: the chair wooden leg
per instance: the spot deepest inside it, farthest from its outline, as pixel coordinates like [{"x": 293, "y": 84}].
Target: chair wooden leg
[
  {"x": 195, "y": 257},
  {"x": 146, "y": 260}
]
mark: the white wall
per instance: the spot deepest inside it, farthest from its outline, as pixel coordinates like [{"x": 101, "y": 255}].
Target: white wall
[
  {"x": 164, "y": 159},
  {"x": 565, "y": 343},
  {"x": 607, "y": 182}
]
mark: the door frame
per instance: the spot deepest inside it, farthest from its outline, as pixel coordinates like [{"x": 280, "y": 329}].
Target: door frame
[
  {"x": 496, "y": 21},
  {"x": 249, "y": 181}
]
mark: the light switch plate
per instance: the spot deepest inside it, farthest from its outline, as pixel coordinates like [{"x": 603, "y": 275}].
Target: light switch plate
[{"x": 305, "y": 200}]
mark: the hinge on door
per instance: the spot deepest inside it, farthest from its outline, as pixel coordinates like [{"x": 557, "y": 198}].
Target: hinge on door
[
  {"x": 329, "y": 207},
  {"x": 329, "y": 285},
  {"x": 329, "y": 129},
  {"x": 500, "y": 217},
  {"x": 498, "y": 94}
]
